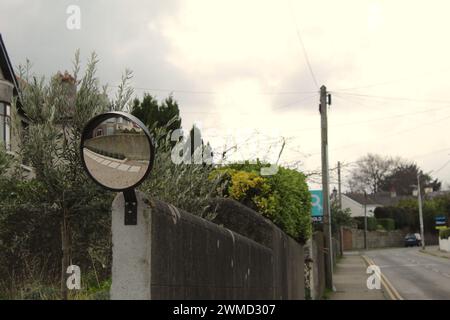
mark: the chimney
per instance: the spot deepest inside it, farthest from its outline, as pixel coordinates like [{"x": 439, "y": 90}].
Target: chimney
[{"x": 70, "y": 87}]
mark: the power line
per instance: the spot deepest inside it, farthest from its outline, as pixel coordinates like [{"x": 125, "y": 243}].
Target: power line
[
  {"x": 436, "y": 171},
  {"x": 386, "y": 136},
  {"x": 297, "y": 101},
  {"x": 361, "y": 122},
  {"x": 305, "y": 53},
  {"x": 248, "y": 115},
  {"x": 430, "y": 153},
  {"x": 199, "y": 92},
  {"x": 409, "y": 78},
  {"x": 391, "y": 98}
]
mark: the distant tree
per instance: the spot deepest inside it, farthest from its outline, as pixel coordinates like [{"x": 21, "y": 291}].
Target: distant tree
[
  {"x": 157, "y": 115},
  {"x": 370, "y": 172},
  {"x": 340, "y": 217},
  {"x": 404, "y": 178}
]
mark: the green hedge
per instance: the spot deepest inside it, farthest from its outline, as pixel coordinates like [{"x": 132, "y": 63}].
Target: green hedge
[
  {"x": 444, "y": 233},
  {"x": 371, "y": 223},
  {"x": 283, "y": 198},
  {"x": 387, "y": 223}
]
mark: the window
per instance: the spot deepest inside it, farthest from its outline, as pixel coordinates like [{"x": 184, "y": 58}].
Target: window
[{"x": 5, "y": 125}]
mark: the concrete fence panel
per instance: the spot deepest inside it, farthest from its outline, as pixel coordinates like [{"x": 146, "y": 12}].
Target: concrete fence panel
[
  {"x": 171, "y": 254},
  {"x": 133, "y": 146}
]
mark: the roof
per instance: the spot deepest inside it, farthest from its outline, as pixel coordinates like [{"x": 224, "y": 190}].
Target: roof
[
  {"x": 8, "y": 71},
  {"x": 381, "y": 198}
]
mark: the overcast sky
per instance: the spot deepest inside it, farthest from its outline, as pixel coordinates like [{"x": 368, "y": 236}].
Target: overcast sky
[{"x": 238, "y": 69}]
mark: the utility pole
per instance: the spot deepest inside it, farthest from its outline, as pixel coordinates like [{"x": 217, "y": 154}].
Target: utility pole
[
  {"x": 339, "y": 184},
  {"x": 341, "y": 228},
  {"x": 326, "y": 189},
  {"x": 365, "y": 220},
  {"x": 419, "y": 196}
]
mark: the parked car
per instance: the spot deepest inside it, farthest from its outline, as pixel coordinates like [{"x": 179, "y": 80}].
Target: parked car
[{"x": 412, "y": 240}]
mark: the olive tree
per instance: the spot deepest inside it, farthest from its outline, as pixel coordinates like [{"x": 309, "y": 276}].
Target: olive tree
[{"x": 58, "y": 109}]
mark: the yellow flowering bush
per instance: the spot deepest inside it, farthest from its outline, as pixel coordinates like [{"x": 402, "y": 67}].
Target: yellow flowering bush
[{"x": 283, "y": 197}]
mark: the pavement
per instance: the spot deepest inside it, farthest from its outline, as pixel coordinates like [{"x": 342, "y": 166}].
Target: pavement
[
  {"x": 434, "y": 251},
  {"x": 414, "y": 274},
  {"x": 350, "y": 280}
]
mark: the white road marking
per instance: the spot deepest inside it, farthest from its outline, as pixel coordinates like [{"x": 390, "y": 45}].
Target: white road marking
[
  {"x": 123, "y": 167},
  {"x": 407, "y": 265},
  {"x": 134, "y": 169},
  {"x": 113, "y": 164}
]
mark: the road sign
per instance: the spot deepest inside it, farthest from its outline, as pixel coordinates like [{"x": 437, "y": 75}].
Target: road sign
[{"x": 316, "y": 205}]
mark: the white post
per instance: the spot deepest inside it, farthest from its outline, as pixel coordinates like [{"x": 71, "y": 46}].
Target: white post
[{"x": 131, "y": 261}]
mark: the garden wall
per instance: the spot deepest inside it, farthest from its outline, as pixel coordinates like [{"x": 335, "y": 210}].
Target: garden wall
[
  {"x": 171, "y": 254},
  {"x": 354, "y": 239},
  {"x": 444, "y": 245},
  {"x": 134, "y": 146}
]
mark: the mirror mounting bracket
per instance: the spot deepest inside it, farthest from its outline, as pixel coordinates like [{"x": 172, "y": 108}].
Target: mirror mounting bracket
[{"x": 130, "y": 207}]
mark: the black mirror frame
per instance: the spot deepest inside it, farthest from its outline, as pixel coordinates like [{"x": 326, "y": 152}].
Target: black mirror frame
[{"x": 99, "y": 119}]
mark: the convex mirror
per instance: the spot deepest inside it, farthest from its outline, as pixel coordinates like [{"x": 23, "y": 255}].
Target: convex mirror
[{"x": 117, "y": 150}]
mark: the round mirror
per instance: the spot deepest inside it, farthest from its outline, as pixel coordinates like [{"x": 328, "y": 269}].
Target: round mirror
[{"x": 116, "y": 150}]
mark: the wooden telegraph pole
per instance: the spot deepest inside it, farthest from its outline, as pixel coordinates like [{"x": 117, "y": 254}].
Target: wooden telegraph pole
[{"x": 326, "y": 190}]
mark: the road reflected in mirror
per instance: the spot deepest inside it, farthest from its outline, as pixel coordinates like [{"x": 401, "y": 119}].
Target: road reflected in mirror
[{"x": 117, "y": 152}]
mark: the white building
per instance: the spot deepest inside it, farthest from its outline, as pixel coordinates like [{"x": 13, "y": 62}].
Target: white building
[{"x": 357, "y": 201}]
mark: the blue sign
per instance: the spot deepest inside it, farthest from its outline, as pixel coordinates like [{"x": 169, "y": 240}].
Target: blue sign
[
  {"x": 441, "y": 220},
  {"x": 316, "y": 204}
]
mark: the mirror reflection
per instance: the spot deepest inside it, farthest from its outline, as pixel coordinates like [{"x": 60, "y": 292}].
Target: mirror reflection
[{"x": 117, "y": 152}]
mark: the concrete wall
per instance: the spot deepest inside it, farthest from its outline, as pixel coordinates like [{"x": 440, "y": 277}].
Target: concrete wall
[
  {"x": 171, "y": 254},
  {"x": 133, "y": 146},
  {"x": 375, "y": 239},
  {"x": 354, "y": 239}
]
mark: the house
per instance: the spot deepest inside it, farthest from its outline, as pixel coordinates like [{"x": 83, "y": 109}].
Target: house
[
  {"x": 9, "y": 90},
  {"x": 115, "y": 125},
  {"x": 357, "y": 202}
]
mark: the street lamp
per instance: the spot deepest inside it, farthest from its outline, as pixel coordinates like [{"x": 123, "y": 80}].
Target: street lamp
[
  {"x": 365, "y": 220},
  {"x": 419, "y": 199}
]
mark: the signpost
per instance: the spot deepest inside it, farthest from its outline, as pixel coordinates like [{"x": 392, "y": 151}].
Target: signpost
[
  {"x": 440, "y": 222},
  {"x": 317, "y": 205}
]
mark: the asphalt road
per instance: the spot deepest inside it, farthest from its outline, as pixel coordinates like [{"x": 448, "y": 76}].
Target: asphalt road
[
  {"x": 415, "y": 275},
  {"x": 112, "y": 172}
]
